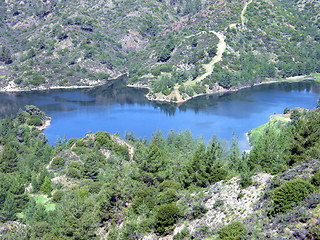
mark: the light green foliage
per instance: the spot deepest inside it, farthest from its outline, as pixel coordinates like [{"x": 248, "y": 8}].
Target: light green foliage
[
  {"x": 289, "y": 194},
  {"x": 232, "y": 231}
]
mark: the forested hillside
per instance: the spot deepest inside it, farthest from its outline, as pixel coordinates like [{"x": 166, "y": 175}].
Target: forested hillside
[
  {"x": 103, "y": 187},
  {"x": 177, "y": 49}
]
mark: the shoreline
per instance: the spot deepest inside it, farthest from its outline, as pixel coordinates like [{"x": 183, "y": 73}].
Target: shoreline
[
  {"x": 46, "y": 124},
  {"x": 222, "y": 90},
  {"x": 96, "y": 83}
]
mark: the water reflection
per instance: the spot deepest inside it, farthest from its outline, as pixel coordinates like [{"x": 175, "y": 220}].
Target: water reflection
[{"x": 116, "y": 108}]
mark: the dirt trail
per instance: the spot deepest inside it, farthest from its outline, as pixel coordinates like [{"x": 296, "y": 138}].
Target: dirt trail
[
  {"x": 221, "y": 46},
  {"x": 242, "y": 17}
]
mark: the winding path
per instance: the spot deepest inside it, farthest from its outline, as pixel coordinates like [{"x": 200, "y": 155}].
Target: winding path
[
  {"x": 221, "y": 47},
  {"x": 242, "y": 17}
]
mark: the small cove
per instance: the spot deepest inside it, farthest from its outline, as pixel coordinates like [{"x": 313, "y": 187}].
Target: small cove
[{"x": 118, "y": 109}]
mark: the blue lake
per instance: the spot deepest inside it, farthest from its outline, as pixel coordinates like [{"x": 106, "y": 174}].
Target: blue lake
[{"x": 119, "y": 109}]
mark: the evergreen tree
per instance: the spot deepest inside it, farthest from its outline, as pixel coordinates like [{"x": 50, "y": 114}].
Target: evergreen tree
[
  {"x": 9, "y": 159},
  {"x": 90, "y": 167},
  {"x": 46, "y": 187},
  {"x": 268, "y": 154},
  {"x": 8, "y": 211},
  {"x": 234, "y": 157},
  {"x": 198, "y": 168}
]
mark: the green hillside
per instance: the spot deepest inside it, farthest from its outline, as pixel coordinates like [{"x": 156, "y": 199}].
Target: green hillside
[{"x": 177, "y": 49}]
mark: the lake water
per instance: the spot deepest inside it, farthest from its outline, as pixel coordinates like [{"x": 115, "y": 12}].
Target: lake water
[{"x": 119, "y": 109}]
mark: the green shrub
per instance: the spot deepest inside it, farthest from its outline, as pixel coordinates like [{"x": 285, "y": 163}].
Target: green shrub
[
  {"x": 169, "y": 184},
  {"x": 167, "y": 196},
  {"x": 315, "y": 180},
  {"x": 57, "y": 196},
  {"x": 18, "y": 80},
  {"x": 184, "y": 234},
  {"x": 103, "y": 139},
  {"x": 289, "y": 194},
  {"x": 246, "y": 181},
  {"x": 197, "y": 210},
  {"x": 218, "y": 174},
  {"x": 166, "y": 216},
  {"x": 39, "y": 229},
  {"x": 37, "y": 80},
  {"x": 73, "y": 173},
  {"x": 57, "y": 162},
  {"x": 80, "y": 143},
  {"x": 232, "y": 231},
  {"x": 145, "y": 196},
  {"x": 34, "y": 121},
  {"x": 75, "y": 164},
  {"x": 71, "y": 142},
  {"x": 121, "y": 150}
]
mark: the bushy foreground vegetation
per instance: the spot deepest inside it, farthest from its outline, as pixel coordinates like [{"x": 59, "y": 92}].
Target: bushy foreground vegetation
[{"x": 103, "y": 186}]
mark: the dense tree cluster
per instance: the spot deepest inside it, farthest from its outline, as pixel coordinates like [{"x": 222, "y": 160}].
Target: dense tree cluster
[{"x": 97, "y": 182}]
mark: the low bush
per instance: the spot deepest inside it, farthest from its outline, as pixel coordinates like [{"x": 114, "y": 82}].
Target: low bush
[
  {"x": 289, "y": 194},
  {"x": 232, "y": 231}
]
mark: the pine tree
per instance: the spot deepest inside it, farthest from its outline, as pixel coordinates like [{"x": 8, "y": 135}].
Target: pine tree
[
  {"x": 8, "y": 159},
  {"x": 90, "y": 167},
  {"x": 46, "y": 187}
]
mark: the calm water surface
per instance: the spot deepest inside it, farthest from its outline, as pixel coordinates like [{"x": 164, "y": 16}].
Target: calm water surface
[{"x": 114, "y": 109}]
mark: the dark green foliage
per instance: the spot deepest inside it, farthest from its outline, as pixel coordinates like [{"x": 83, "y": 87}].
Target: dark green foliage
[
  {"x": 46, "y": 187},
  {"x": 315, "y": 180},
  {"x": 145, "y": 199},
  {"x": 40, "y": 229},
  {"x": 78, "y": 220},
  {"x": 197, "y": 210},
  {"x": 268, "y": 153},
  {"x": 57, "y": 162},
  {"x": 57, "y": 196},
  {"x": 143, "y": 194},
  {"x": 198, "y": 168},
  {"x": 73, "y": 173},
  {"x": 167, "y": 196},
  {"x": 90, "y": 167},
  {"x": 9, "y": 159},
  {"x": 304, "y": 138},
  {"x": 5, "y": 55},
  {"x": 37, "y": 80},
  {"x": 232, "y": 231},
  {"x": 289, "y": 194},
  {"x": 166, "y": 216},
  {"x": 103, "y": 139}
]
